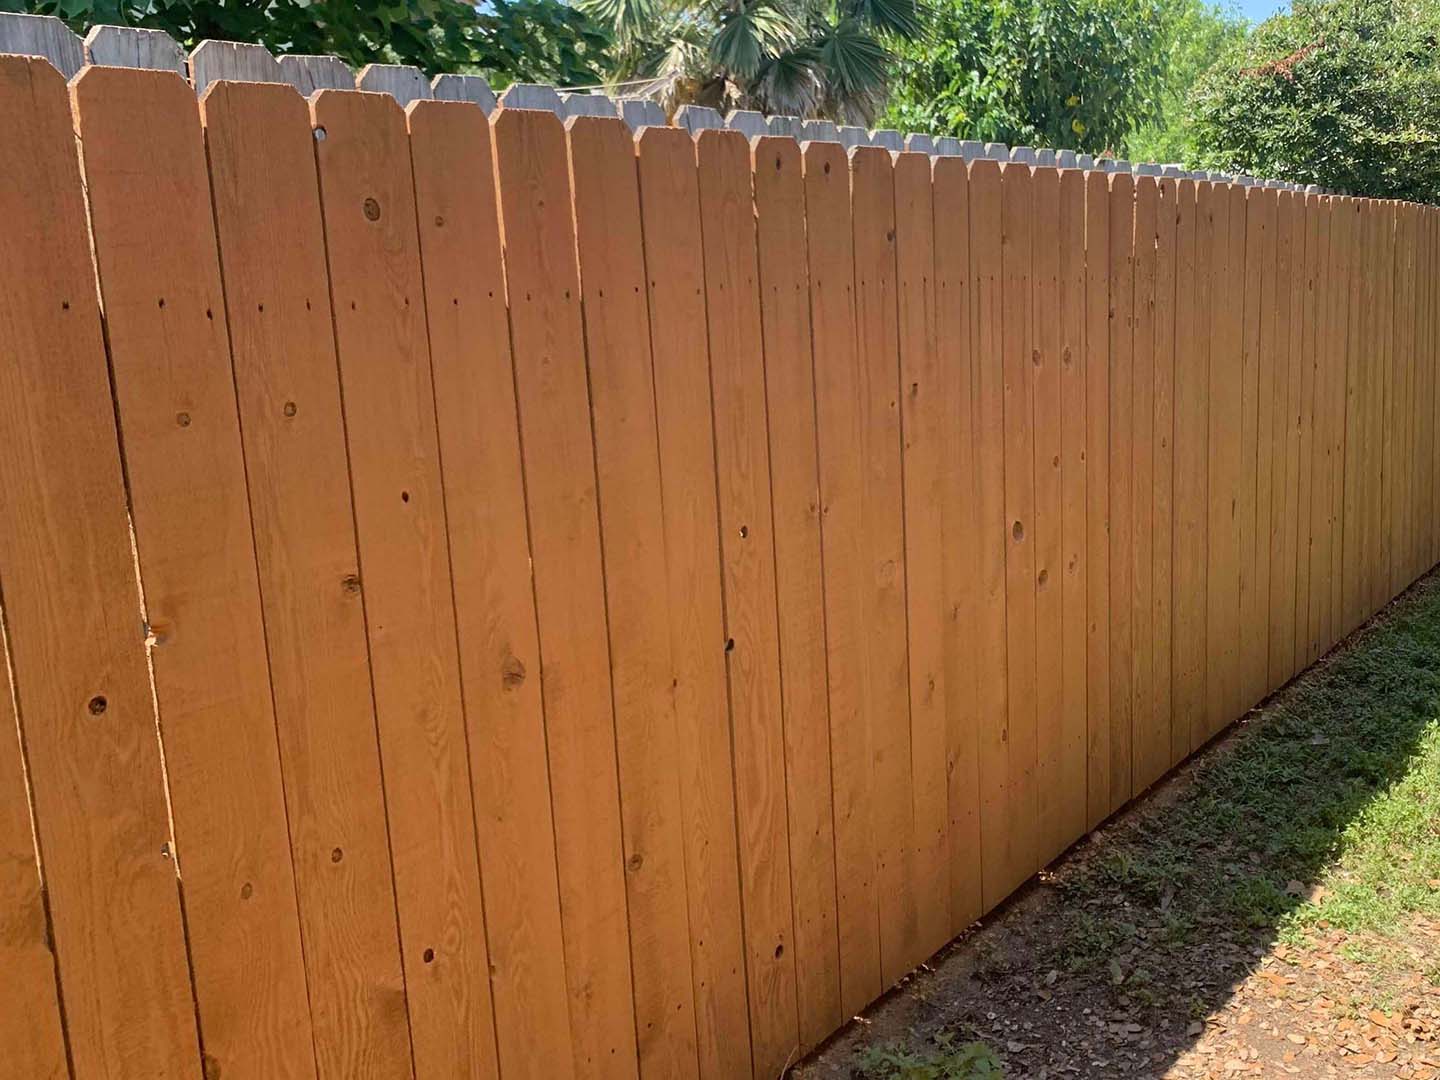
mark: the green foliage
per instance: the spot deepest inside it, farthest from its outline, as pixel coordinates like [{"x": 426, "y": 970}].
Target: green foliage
[
  {"x": 1200, "y": 32},
  {"x": 1342, "y": 93},
  {"x": 969, "y": 1061},
  {"x": 1064, "y": 73},
  {"x": 802, "y": 57},
  {"x": 510, "y": 40}
]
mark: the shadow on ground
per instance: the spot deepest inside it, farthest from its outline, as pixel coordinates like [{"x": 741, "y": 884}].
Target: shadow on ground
[{"x": 1112, "y": 961}]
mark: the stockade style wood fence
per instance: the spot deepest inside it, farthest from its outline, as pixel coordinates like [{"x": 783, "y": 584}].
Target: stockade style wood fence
[{"x": 504, "y": 598}]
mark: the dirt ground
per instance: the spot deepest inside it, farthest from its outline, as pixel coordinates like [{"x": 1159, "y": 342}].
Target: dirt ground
[{"x": 1224, "y": 925}]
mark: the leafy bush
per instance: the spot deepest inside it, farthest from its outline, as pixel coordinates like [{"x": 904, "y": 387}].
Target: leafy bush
[
  {"x": 1066, "y": 73},
  {"x": 1341, "y": 93},
  {"x": 509, "y": 40}
]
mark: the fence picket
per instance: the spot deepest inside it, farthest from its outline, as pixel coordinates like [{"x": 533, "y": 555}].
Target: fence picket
[
  {"x": 794, "y": 476},
  {"x": 82, "y": 690},
  {"x": 751, "y": 645},
  {"x": 368, "y": 195},
  {"x": 670, "y": 212},
  {"x": 451, "y": 155},
  {"x": 160, "y": 285},
  {"x": 272, "y": 256}
]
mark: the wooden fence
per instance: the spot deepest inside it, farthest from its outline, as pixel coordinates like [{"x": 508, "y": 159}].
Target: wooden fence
[{"x": 502, "y": 598}]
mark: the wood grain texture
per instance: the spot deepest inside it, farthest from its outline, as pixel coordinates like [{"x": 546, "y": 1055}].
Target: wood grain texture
[
  {"x": 799, "y": 584},
  {"x": 1097, "y": 496},
  {"x": 560, "y": 491},
  {"x": 483, "y": 482},
  {"x": 923, "y": 416},
  {"x": 145, "y": 173},
  {"x": 1150, "y": 746},
  {"x": 632, "y": 532},
  {"x": 81, "y": 686},
  {"x": 955, "y": 357},
  {"x": 277, "y": 295},
  {"x": 1122, "y": 490},
  {"x": 368, "y": 194},
  {"x": 751, "y": 646},
  {"x": 670, "y": 213},
  {"x": 831, "y": 263},
  {"x": 1162, "y": 618}
]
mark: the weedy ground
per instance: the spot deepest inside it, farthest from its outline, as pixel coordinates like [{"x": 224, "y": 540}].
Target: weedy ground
[{"x": 1271, "y": 908}]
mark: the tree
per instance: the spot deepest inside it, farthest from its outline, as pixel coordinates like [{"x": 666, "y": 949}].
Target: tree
[
  {"x": 797, "y": 57},
  {"x": 508, "y": 40},
  {"x": 1341, "y": 93},
  {"x": 1199, "y": 33},
  {"x": 1082, "y": 74}
]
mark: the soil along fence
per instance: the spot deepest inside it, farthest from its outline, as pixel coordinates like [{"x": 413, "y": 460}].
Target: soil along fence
[{"x": 496, "y": 597}]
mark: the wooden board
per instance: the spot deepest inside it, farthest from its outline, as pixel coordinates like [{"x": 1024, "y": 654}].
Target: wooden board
[
  {"x": 1259, "y": 240},
  {"x": 1074, "y": 494},
  {"x": 31, "y": 1039},
  {"x": 1122, "y": 502},
  {"x": 831, "y": 262},
  {"x": 882, "y": 528},
  {"x": 1192, "y": 441},
  {"x": 1162, "y": 448},
  {"x": 955, "y": 357},
  {"x": 1097, "y": 496},
  {"x": 924, "y": 413},
  {"x": 1222, "y": 619},
  {"x": 752, "y": 648},
  {"x": 1048, "y": 542},
  {"x": 670, "y": 211},
  {"x": 1150, "y": 746},
  {"x": 1291, "y": 434},
  {"x": 1336, "y": 298},
  {"x": 795, "y": 495},
  {"x": 632, "y": 532},
  {"x": 483, "y": 486},
  {"x": 81, "y": 688},
  {"x": 1018, "y": 858},
  {"x": 145, "y": 173},
  {"x": 367, "y": 191},
  {"x": 990, "y": 648},
  {"x": 272, "y": 256}
]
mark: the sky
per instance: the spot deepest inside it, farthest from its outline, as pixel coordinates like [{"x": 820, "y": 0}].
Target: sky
[{"x": 1259, "y": 10}]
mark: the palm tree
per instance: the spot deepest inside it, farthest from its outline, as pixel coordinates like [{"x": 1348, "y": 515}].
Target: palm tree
[{"x": 810, "y": 58}]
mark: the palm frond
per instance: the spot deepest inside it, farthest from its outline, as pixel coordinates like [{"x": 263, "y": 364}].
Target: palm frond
[{"x": 748, "y": 36}]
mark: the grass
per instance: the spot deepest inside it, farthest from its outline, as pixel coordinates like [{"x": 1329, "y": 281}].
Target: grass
[
  {"x": 943, "y": 1060},
  {"x": 1324, "y": 813}
]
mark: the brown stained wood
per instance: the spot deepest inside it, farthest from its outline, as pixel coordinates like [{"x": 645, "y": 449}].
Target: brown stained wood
[
  {"x": 1312, "y": 381},
  {"x": 924, "y": 412},
  {"x": 367, "y": 191},
  {"x": 81, "y": 688},
  {"x": 1074, "y": 475},
  {"x": 1190, "y": 538},
  {"x": 831, "y": 266},
  {"x": 1336, "y": 303},
  {"x": 795, "y": 499},
  {"x": 1047, "y": 411},
  {"x": 883, "y": 555},
  {"x": 670, "y": 211},
  {"x": 1162, "y": 448},
  {"x": 1351, "y": 512},
  {"x": 632, "y": 532},
  {"x": 145, "y": 173},
  {"x": 272, "y": 256},
  {"x": 560, "y": 489},
  {"x": 988, "y": 409},
  {"x": 1150, "y": 741},
  {"x": 1259, "y": 245},
  {"x": 1097, "y": 496},
  {"x": 1266, "y": 365},
  {"x": 31, "y": 1041},
  {"x": 751, "y": 645},
  {"x": 1121, "y": 281},
  {"x": 1018, "y": 856},
  {"x": 955, "y": 357},
  {"x": 483, "y": 487},
  {"x": 1291, "y": 432},
  {"x": 1224, "y": 226}
]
